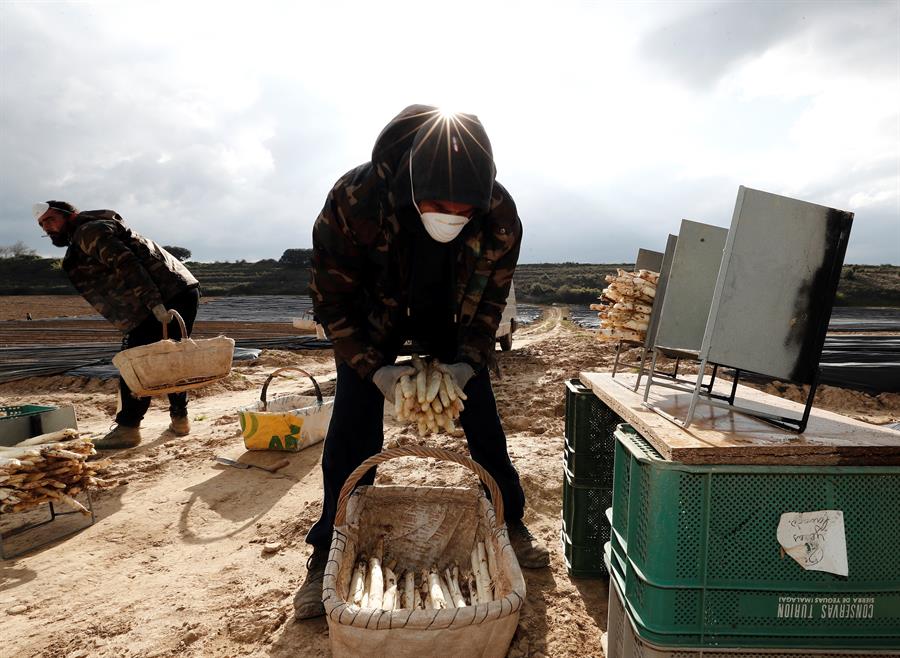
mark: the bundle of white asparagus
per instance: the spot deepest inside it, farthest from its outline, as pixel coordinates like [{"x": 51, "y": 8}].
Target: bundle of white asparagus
[
  {"x": 50, "y": 467},
  {"x": 382, "y": 585},
  {"x": 431, "y": 398},
  {"x": 624, "y": 308}
]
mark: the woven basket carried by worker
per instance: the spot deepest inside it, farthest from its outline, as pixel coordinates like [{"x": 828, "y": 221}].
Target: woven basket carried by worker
[{"x": 170, "y": 366}]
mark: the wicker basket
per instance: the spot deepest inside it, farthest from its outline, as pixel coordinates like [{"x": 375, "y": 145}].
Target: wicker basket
[
  {"x": 286, "y": 422},
  {"x": 170, "y": 366},
  {"x": 421, "y": 526}
]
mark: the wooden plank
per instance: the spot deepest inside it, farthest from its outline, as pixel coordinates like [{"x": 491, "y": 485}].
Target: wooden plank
[{"x": 722, "y": 436}]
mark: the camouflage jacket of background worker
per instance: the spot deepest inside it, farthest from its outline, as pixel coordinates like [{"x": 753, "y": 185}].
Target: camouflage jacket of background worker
[
  {"x": 122, "y": 274},
  {"x": 355, "y": 287}
]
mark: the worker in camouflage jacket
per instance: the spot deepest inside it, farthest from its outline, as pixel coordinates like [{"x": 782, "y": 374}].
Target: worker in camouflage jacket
[
  {"x": 132, "y": 282},
  {"x": 414, "y": 252}
]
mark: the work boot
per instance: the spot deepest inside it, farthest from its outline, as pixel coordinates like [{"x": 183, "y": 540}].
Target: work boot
[
  {"x": 530, "y": 551},
  {"x": 308, "y": 600},
  {"x": 121, "y": 436},
  {"x": 180, "y": 426}
]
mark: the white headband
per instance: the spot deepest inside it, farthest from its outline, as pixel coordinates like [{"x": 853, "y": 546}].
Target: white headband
[{"x": 39, "y": 209}]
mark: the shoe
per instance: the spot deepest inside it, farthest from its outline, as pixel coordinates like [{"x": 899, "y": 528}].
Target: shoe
[
  {"x": 530, "y": 551},
  {"x": 180, "y": 426},
  {"x": 308, "y": 600},
  {"x": 118, "y": 437}
]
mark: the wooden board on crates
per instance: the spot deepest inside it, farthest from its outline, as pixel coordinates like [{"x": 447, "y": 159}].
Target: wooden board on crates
[{"x": 722, "y": 436}]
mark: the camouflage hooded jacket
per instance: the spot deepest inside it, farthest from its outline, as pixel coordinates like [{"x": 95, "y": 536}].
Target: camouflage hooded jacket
[
  {"x": 356, "y": 290},
  {"x": 122, "y": 274}
]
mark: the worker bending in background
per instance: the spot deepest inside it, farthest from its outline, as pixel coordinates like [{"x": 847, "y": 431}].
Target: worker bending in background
[
  {"x": 414, "y": 252},
  {"x": 132, "y": 282}
]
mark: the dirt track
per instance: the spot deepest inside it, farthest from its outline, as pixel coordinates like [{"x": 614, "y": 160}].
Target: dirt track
[{"x": 175, "y": 564}]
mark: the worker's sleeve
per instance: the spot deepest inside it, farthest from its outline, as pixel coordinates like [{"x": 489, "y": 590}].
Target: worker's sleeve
[
  {"x": 98, "y": 240},
  {"x": 336, "y": 286},
  {"x": 477, "y": 339}
]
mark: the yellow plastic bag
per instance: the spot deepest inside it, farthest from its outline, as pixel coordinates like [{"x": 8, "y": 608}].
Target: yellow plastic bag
[{"x": 287, "y": 422}]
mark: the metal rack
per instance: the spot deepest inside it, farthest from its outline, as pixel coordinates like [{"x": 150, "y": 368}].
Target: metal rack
[
  {"x": 25, "y": 528},
  {"x": 768, "y": 308}
]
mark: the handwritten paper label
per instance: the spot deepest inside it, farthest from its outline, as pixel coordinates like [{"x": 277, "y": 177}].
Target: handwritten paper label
[{"x": 816, "y": 540}]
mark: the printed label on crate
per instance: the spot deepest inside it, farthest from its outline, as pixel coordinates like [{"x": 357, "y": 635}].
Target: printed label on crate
[
  {"x": 816, "y": 540},
  {"x": 825, "y": 607}
]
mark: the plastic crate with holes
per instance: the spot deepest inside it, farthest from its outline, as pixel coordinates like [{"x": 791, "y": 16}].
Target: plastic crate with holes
[
  {"x": 625, "y": 639},
  {"x": 698, "y": 554},
  {"x": 587, "y": 480}
]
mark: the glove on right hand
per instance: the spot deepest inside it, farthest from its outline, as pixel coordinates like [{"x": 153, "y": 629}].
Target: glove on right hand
[
  {"x": 162, "y": 314},
  {"x": 386, "y": 378}
]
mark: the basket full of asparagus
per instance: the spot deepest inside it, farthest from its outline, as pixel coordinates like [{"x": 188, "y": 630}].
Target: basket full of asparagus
[
  {"x": 625, "y": 305},
  {"x": 419, "y": 571},
  {"x": 47, "y": 468}
]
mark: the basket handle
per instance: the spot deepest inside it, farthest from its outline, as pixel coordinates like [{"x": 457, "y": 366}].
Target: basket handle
[
  {"x": 340, "y": 517},
  {"x": 262, "y": 395},
  {"x": 180, "y": 319}
]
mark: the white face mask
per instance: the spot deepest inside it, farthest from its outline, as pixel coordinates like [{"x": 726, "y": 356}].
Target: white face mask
[{"x": 442, "y": 227}]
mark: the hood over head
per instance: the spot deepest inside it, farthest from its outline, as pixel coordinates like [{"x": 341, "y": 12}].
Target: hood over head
[{"x": 451, "y": 155}]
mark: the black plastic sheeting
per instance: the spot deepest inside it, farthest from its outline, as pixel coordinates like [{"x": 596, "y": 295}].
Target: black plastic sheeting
[{"x": 869, "y": 362}]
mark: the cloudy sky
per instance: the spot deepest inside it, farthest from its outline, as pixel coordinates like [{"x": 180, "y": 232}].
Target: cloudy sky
[{"x": 221, "y": 126}]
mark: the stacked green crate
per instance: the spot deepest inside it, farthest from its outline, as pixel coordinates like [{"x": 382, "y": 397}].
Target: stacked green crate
[
  {"x": 587, "y": 480},
  {"x": 696, "y": 556}
]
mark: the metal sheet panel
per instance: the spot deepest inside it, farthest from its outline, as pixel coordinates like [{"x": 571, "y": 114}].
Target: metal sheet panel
[
  {"x": 14, "y": 430},
  {"x": 689, "y": 291},
  {"x": 648, "y": 260},
  {"x": 777, "y": 284},
  {"x": 664, "y": 269}
]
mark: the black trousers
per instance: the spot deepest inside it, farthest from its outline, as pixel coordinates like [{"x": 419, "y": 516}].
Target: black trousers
[
  {"x": 356, "y": 432},
  {"x": 150, "y": 331}
]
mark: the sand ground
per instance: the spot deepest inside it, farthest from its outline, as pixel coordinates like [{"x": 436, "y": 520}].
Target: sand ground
[{"x": 174, "y": 564}]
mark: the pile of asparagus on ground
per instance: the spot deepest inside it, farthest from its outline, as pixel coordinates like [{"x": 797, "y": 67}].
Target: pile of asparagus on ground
[
  {"x": 48, "y": 468},
  {"x": 625, "y": 305},
  {"x": 431, "y": 398},
  {"x": 379, "y": 585}
]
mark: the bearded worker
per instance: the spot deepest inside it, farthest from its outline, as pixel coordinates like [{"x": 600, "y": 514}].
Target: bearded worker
[
  {"x": 132, "y": 282},
  {"x": 414, "y": 252}
]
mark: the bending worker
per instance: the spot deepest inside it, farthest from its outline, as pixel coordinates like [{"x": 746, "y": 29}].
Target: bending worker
[
  {"x": 132, "y": 282},
  {"x": 414, "y": 252}
]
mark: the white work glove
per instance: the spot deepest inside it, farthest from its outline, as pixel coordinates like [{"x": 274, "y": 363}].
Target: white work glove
[
  {"x": 386, "y": 378},
  {"x": 162, "y": 314},
  {"x": 461, "y": 373}
]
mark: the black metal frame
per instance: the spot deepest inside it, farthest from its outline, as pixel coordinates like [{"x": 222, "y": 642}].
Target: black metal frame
[
  {"x": 31, "y": 526},
  {"x": 788, "y": 423}
]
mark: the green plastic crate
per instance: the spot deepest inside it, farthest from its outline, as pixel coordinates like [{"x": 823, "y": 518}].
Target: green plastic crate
[
  {"x": 625, "y": 639},
  {"x": 587, "y": 466},
  {"x": 714, "y": 525},
  {"x": 590, "y": 425},
  {"x": 709, "y": 617},
  {"x": 584, "y": 561},
  {"x": 584, "y": 507},
  {"x": 22, "y": 410}
]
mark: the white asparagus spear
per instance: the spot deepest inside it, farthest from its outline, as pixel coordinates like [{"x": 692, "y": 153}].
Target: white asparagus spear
[
  {"x": 453, "y": 583},
  {"x": 398, "y": 400},
  {"x": 483, "y": 575},
  {"x": 435, "y": 591},
  {"x": 421, "y": 386},
  {"x": 408, "y": 600},
  {"x": 358, "y": 581},
  {"x": 492, "y": 568},
  {"x": 376, "y": 580},
  {"x": 445, "y": 588},
  {"x": 434, "y": 385},
  {"x": 50, "y": 437},
  {"x": 407, "y": 386},
  {"x": 389, "y": 602}
]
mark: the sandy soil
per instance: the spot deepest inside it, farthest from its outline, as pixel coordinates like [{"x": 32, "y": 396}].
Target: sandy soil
[{"x": 175, "y": 565}]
